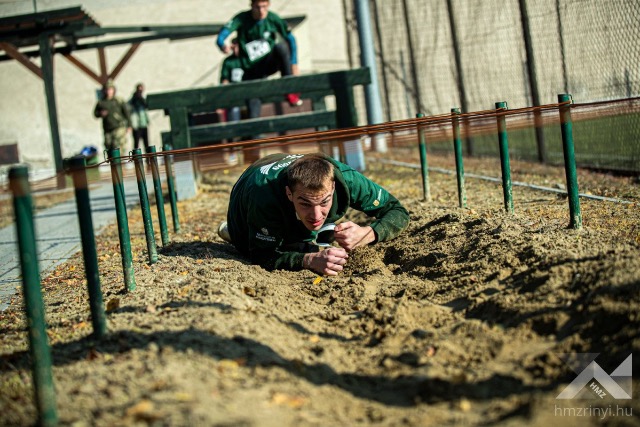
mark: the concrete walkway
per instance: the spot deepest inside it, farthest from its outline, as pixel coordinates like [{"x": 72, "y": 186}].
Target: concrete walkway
[{"x": 58, "y": 233}]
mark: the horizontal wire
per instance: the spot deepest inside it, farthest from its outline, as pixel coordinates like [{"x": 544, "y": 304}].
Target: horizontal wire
[
  {"x": 499, "y": 180},
  {"x": 441, "y": 123}
]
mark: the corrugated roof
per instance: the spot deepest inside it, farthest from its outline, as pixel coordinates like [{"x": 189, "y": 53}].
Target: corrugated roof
[{"x": 25, "y": 30}]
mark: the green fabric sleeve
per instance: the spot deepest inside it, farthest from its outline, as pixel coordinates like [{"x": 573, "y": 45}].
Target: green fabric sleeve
[
  {"x": 372, "y": 199},
  {"x": 393, "y": 222}
]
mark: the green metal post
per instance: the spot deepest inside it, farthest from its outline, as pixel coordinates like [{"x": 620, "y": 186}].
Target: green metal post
[
  {"x": 424, "y": 167},
  {"x": 566, "y": 125},
  {"x": 503, "y": 143},
  {"x": 121, "y": 216},
  {"x": 144, "y": 206},
  {"x": 457, "y": 148},
  {"x": 45, "y": 394},
  {"x": 157, "y": 188},
  {"x": 77, "y": 165},
  {"x": 168, "y": 164}
]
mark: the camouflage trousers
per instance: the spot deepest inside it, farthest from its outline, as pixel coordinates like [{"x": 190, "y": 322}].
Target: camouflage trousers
[{"x": 116, "y": 138}]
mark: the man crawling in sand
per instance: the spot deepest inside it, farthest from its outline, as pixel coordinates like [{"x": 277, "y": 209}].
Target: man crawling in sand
[{"x": 281, "y": 202}]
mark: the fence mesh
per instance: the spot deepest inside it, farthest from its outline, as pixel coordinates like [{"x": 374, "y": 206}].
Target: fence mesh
[{"x": 588, "y": 48}]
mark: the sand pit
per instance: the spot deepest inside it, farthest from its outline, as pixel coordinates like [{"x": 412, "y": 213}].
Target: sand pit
[{"x": 460, "y": 321}]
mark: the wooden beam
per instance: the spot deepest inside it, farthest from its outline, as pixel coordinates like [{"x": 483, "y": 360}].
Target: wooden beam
[
  {"x": 151, "y": 33},
  {"x": 45, "y": 43},
  {"x": 13, "y": 52},
  {"x": 311, "y": 94},
  {"x": 224, "y": 96},
  {"x": 103, "y": 65},
  {"x": 204, "y": 29},
  {"x": 140, "y": 39},
  {"x": 216, "y": 132},
  {"x": 89, "y": 72},
  {"x": 179, "y": 120},
  {"x": 190, "y": 29},
  {"x": 123, "y": 61},
  {"x": 110, "y": 43}
]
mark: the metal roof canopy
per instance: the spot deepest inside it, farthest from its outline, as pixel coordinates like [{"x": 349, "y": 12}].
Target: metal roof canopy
[{"x": 62, "y": 31}]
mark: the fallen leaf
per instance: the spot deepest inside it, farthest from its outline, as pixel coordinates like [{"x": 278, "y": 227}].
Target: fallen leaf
[
  {"x": 93, "y": 354},
  {"x": 284, "y": 399},
  {"x": 227, "y": 364},
  {"x": 464, "y": 405},
  {"x": 159, "y": 385},
  {"x": 80, "y": 325},
  {"x": 113, "y": 304},
  {"x": 143, "y": 411},
  {"x": 431, "y": 351},
  {"x": 183, "y": 397},
  {"x": 184, "y": 290}
]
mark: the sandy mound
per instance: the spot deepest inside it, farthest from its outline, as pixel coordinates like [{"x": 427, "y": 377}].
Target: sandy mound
[{"x": 459, "y": 321}]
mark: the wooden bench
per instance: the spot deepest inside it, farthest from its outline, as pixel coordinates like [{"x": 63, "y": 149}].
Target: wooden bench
[{"x": 180, "y": 105}]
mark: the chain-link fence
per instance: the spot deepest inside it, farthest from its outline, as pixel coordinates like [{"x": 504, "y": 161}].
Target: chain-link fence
[{"x": 436, "y": 55}]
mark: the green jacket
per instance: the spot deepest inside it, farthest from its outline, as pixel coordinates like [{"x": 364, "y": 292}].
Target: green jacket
[
  {"x": 257, "y": 38},
  {"x": 262, "y": 221},
  {"x": 118, "y": 114},
  {"x": 231, "y": 69},
  {"x": 138, "y": 112}
]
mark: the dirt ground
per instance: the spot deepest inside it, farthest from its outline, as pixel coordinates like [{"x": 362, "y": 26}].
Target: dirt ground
[{"x": 460, "y": 321}]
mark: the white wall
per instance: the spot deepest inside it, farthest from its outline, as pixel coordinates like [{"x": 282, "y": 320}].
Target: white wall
[{"x": 161, "y": 65}]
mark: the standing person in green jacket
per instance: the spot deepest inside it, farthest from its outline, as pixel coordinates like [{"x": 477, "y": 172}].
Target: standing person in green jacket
[
  {"x": 139, "y": 117},
  {"x": 116, "y": 118},
  {"x": 281, "y": 201},
  {"x": 261, "y": 54},
  {"x": 232, "y": 72}
]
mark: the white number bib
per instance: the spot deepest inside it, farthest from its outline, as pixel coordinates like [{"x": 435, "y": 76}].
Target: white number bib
[
  {"x": 257, "y": 49},
  {"x": 236, "y": 74}
]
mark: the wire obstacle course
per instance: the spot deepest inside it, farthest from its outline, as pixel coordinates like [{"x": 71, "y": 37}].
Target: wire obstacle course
[{"x": 76, "y": 166}]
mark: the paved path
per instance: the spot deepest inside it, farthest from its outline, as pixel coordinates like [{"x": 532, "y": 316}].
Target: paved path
[{"x": 58, "y": 233}]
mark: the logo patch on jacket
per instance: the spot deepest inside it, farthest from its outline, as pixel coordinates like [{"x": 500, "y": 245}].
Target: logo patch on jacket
[
  {"x": 376, "y": 202},
  {"x": 265, "y": 169},
  {"x": 263, "y": 235},
  {"x": 286, "y": 161}
]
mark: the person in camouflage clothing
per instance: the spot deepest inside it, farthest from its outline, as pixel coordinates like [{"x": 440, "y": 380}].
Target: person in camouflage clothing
[{"x": 116, "y": 117}]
